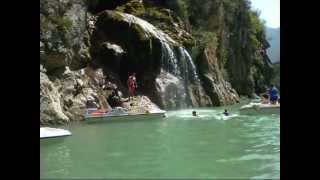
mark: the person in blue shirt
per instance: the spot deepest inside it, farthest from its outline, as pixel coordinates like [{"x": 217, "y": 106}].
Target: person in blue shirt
[{"x": 273, "y": 94}]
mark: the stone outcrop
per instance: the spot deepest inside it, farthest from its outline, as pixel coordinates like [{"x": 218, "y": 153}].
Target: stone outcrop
[
  {"x": 64, "y": 39},
  {"x": 65, "y": 97},
  {"x": 219, "y": 90}
]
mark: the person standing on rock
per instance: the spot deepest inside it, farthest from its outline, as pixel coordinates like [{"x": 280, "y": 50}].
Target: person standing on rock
[
  {"x": 273, "y": 94},
  {"x": 132, "y": 85}
]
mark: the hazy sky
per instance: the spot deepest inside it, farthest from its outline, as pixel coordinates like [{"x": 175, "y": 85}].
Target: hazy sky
[{"x": 270, "y": 11}]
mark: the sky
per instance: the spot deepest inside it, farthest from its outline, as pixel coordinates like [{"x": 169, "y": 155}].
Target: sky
[{"x": 270, "y": 11}]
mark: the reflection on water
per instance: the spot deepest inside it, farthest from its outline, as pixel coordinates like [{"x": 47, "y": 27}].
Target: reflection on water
[
  {"x": 177, "y": 146},
  {"x": 62, "y": 159}
]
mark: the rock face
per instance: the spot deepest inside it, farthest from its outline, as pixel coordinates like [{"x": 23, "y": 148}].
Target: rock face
[
  {"x": 150, "y": 53},
  {"x": 64, "y": 39},
  {"x": 50, "y": 104},
  {"x": 273, "y": 36},
  {"x": 65, "y": 97},
  {"x": 64, "y": 50},
  {"x": 219, "y": 90},
  {"x": 162, "y": 18},
  {"x": 180, "y": 59}
]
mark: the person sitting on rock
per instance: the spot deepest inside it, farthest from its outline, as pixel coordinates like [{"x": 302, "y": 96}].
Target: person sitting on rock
[
  {"x": 265, "y": 96},
  {"x": 265, "y": 99},
  {"x": 78, "y": 89},
  {"x": 91, "y": 103},
  {"x": 114, "y": 99}
]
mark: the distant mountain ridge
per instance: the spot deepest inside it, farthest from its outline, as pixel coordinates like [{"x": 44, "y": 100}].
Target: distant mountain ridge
[{"x": 273, "y": 37}]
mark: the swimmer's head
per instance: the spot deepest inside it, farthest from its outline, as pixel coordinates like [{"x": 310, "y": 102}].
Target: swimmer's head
[{"x": 194, "y": 113}]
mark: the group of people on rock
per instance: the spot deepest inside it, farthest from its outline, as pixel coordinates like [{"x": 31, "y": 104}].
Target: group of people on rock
[
  {"x": 271, "y": 96},
  {"x": 114, "y": 98}
]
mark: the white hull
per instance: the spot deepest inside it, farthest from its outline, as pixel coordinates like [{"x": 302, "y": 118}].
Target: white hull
[
  {"x": 121, "y": 113},
  {"x": 46, "y": 132},
  {"x": 258, "y": 108},
  {"x": 91, "y": 118}
]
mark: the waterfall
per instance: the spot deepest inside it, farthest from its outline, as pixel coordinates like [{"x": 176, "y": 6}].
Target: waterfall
[
  {"x": 188, "y": 66},
  {"x": 169, "y": 60},
  {"x": 177, "y": 72},
  {"x": 170, "y": 82},
  {"x": 177, "y": 69}
]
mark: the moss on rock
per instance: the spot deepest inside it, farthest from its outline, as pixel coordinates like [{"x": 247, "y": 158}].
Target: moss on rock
[{"x": 160, "y": 17}]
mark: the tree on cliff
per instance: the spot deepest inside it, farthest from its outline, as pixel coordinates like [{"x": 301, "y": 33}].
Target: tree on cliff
[{"x": 237, "y": 32}]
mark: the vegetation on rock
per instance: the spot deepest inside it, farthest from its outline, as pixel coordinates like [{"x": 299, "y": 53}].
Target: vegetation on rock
[
  {"x": 162, "y": 18},
  {"x": 225, "y": 38}
]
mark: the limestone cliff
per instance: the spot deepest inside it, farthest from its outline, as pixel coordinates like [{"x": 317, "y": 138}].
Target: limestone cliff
[{"x": 181, "y": 58}]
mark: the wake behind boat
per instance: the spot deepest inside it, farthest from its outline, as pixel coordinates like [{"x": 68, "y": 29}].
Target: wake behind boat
[
  {"x": 47, "y": 132},
  {"x": 258, "y": 108}
]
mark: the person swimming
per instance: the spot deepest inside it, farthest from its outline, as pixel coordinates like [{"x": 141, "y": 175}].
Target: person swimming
[
  {"x": 194, "y": 113},
  {"x": 226, "y": 113}
]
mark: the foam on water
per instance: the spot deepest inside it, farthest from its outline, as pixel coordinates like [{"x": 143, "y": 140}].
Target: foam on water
[{"x": 202, "y": 115}]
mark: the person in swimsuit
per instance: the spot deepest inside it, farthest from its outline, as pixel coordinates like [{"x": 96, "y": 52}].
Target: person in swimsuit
[
  {"x": 194, "y": 113},
  {"x": 226, "y": 113},
  {"x": 132, "y": 85}
]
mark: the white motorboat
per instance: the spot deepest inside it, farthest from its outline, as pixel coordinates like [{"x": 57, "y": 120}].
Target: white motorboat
[
  {"x": 258, "y": 108},
  {"x": 95, "y": 114},
  {"x": 47, "y": 132}
]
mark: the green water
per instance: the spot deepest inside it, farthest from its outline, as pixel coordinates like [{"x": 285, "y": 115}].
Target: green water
[{"x": 179, "y": 146}]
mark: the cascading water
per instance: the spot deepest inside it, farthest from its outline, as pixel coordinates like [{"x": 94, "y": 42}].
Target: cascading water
[
  {"x": 177, "y": 72},
  {"x": 188, "y": 67},
  {"x": 169, "y": 82},
  {"x": 169, "y": 61}
]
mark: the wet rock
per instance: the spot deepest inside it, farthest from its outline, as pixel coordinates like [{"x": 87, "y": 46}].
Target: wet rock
[
  {"x": 160, "y": 17},
  {"x": 140, "y": 104},
  {"x": 170, "y": 88}
]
